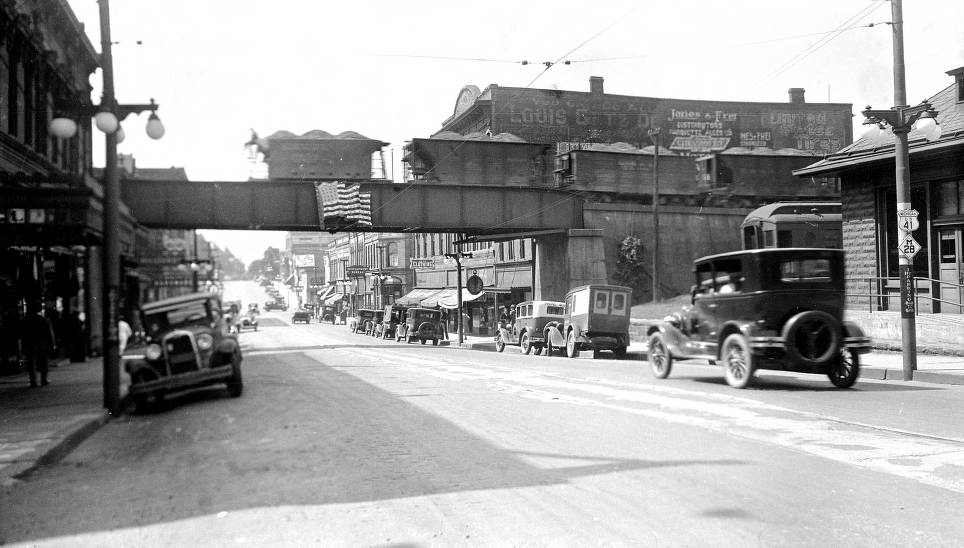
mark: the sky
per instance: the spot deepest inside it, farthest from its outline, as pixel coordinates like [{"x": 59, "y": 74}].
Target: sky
[{"x": 392, "y": 70}]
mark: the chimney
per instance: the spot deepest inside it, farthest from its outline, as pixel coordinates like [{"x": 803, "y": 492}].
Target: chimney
[
  {"x": 596, "y": 85},
  {"x": 796, "y": 95},
  {"x": 958, "y": 75}
]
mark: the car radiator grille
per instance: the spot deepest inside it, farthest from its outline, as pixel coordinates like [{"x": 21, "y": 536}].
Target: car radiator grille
[{"x": 180, "y": 354}]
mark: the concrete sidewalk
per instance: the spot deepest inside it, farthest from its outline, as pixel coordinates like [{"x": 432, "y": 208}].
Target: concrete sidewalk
[{"x": 40, "y": 425}]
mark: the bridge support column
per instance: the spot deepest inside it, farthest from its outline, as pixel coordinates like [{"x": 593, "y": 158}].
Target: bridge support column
[{"x": 564, "y": 261}]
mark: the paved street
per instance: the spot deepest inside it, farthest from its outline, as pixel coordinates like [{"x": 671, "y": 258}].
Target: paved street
[{"x": 341, "y": 439}]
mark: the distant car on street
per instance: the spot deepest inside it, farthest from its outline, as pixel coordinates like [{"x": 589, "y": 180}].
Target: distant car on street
[
  {"x": 277, "y": 304},
  {"x": 527, "y": 325},
  {"x": 187, "y": 345},
  {"x": 301, "y": 315},
  {"x": 596, "y": 318},
  {"x": 774, "y": 308},
  {"x": 421, "y": 324},
  {"x": 365, "y": 320}
]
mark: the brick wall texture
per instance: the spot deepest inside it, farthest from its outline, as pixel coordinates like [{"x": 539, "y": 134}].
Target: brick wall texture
[{"x": 859, "y": 235}]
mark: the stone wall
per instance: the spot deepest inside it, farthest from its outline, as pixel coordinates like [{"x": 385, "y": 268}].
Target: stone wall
[
  {"x": 859, "y": 237},
  {"x": 685, "y": 234}
]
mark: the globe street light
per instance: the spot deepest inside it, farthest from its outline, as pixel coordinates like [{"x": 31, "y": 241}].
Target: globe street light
[
  {"x": 899, "y": 120},
  {"x": 107, "y": 118}
]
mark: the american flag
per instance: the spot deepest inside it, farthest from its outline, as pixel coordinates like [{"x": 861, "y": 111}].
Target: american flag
[{"x": 343, "y": 203}]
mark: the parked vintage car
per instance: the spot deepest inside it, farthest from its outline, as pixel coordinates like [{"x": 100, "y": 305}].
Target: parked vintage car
[
  {"x": 187, "y": 345},
  {"x": 365, "y": 320},
  {"x": 771, "y": 308},
  {"x": 301, "y": 315},
  {"x": 276, "y": 304},
  {"x": 392, "y": 316},
  {"x": 422, "y": 324},
  {"x": 596, "y": 318},
  {"x": 526, "y": 326}
]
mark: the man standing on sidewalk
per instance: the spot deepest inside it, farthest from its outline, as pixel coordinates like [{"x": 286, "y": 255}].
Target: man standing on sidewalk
[{"x": 37, "y": 337}]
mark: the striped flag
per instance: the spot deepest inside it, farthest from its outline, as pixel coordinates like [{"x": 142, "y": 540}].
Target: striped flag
[{"x": 341, "y": 204}]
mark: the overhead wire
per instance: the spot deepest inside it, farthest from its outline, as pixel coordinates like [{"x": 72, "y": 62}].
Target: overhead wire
[
  {"x": 826, "y": 37},
  {"x": 547, "y": 65},
  {"x": 813, "y": 48}
]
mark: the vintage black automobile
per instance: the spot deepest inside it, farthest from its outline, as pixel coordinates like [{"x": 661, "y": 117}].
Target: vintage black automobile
[
  {"x": 277, "y": 304},
  {"x": 778, "y": 308},
  {"x": 188, "y": 345},
  {"x": 365, "y": 320},
  {"x": 596, "y": 318},
  {"x": 527, "y": 325},
  {"x": 301, "y": 315},
  {"x": 392, "y": 316},
  {"x": 421, "y": 324}
]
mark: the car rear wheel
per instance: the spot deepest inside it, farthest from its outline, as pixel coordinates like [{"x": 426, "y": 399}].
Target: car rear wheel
[
  {"x": 737, "y": 361},
  {"x": 434, "y": 342},
  {"x": 499, "y": 343},
  {"x": 660, "y": 358},
  {"x": 572, "y": 347},
  {"x": 844, "y": 373},
  {"x": 525, "y": 344}
]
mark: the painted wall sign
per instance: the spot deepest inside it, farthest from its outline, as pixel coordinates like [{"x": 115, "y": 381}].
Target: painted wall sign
[{"x": 688, "y": 126}]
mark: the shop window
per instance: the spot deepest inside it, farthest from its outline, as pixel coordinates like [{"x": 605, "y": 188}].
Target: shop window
[
  {"x": 392, "y": 254},
  {"x": 949, "y": 198},
  {"x": 522, "y": 248}
]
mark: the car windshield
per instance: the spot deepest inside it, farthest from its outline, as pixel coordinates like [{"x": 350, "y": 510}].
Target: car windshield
[{"x": 189, "y": 315}]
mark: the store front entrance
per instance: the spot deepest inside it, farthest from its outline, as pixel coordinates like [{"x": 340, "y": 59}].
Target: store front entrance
[{"x": 951, "y": 269}]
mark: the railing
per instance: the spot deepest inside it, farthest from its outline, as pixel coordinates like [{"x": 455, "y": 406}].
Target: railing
[{"x": 883, "y": 293}]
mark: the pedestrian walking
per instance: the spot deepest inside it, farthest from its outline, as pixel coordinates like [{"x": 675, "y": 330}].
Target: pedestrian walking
[
  {"x": 445, "y": 323},
  {"x": 37, "y": 338},
  {"x": 124, "y": 333}
]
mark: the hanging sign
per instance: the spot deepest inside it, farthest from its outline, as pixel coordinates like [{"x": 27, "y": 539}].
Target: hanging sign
[{"x": 474, "y": 284}]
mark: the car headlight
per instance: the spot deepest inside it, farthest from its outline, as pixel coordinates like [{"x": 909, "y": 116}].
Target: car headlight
[
  {"x": 153, "y": 352},
  {"x": 205, "y": 341}
]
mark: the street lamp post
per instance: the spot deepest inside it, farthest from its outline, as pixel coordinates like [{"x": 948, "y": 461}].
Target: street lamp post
[
  {"x": 107, "y": 117},
  {"x": 458, "y": 256},
  {"x": 899, "y": 120},
  {"x": 654, "y": 135}
]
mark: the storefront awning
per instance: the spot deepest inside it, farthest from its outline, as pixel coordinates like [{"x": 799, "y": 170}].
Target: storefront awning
[
  {"x": 391, "y": 280},
  {"x": 449, "y": 299},
  {"x": 330, "y": 300},
  {"x": 415, "y": 296},
  {"x": 324, "y": 292}
]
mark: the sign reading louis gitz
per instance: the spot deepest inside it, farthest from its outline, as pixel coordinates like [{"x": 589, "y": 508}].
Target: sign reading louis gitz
[{"x": 304, "y": 261}]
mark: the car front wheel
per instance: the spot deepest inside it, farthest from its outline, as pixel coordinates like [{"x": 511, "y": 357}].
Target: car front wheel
[
  {"x": 572, "y": 347},
  {"x": 660, "y": 358},
  {"x": 525, "y": 344},
  {"x": 737, "y": 361},
  {"x": 499, "y": 343},
  {"x": 235, "y": 384},
  {"x": 844, "y": 373}
]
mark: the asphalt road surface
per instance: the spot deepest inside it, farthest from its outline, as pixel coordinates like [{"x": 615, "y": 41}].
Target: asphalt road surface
[{"x": 345, "y": 440}]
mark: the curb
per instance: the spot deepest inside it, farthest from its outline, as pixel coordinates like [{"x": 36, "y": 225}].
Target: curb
[{"x": 60, "y": 445}]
